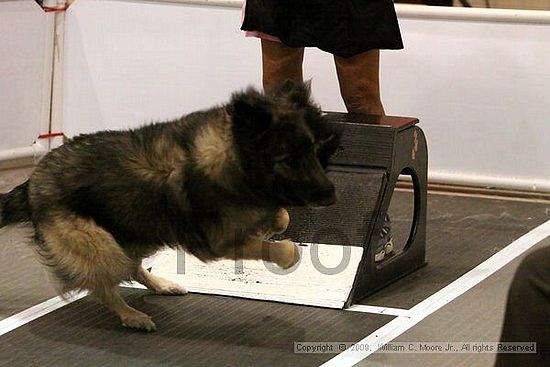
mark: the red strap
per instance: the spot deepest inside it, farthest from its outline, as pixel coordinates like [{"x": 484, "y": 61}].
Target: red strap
[
  {"x": 50, "y": 135},
  {"x": 49, "y": 9}
]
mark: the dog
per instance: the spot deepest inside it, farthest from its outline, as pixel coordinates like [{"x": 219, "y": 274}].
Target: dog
[{"x": 213, "y": 182}]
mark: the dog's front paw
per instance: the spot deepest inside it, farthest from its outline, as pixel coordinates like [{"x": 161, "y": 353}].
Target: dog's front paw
[
  {"x": 288, "y": 254},
  {"x": 279, "y": 224},
  {"x": 282, "y": 219},
  {"x": 138, "y": 320}
]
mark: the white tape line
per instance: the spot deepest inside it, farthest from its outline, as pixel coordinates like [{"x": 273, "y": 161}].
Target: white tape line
[
  {"x": 433, "y": 303},
  {"x": 379, "y": 310},
  {"x": 41, "y": 309},
  {"x": 133, "y": 284}
]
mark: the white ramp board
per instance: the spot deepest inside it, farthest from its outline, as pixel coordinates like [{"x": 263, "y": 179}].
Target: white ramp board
[{"x": 323, "y": 277}]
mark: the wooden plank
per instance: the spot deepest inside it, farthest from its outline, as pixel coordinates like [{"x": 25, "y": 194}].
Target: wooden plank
[{"x": 324, "y": 277}]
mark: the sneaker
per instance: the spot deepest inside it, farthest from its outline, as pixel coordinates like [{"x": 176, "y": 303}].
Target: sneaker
[{"x": 385, "y": 243}]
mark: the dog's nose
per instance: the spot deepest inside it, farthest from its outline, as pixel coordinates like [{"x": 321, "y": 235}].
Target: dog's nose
[{"x": 325, "y": 196}]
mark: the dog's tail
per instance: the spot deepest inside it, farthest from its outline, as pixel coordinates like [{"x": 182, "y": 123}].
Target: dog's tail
[{"x": 14, "y": 206}]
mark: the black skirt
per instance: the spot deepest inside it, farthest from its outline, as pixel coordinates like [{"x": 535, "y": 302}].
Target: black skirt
[{"x": 342, "y": 27}]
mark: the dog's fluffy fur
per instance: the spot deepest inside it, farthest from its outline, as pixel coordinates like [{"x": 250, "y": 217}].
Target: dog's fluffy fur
[{"x": 213, "y": 182}]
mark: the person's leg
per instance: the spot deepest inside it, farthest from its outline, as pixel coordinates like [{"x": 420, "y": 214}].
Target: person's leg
[
  {"x": 359, "y": 82},
  {"x": 360, "y": 89},
  {"x": 280, "y": 63},
  {"x": 527, "y": 317}
]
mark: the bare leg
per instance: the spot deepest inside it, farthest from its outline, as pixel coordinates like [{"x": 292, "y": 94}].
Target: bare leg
[
  {"x": 359, "y": 82},
  {"x": 280, "y": 63},
  {"x": 157, "y": 284}
]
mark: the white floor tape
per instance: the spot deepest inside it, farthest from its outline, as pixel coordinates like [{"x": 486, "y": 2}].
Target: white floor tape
[
  {"x": 13, "y": 322},
  {"x": 391, "y": 311}
]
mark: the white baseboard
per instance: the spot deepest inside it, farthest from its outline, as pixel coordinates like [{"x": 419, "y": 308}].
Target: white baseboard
[
  {"x": 22, "y": 156},
  {"x": 497, "y": 182}
]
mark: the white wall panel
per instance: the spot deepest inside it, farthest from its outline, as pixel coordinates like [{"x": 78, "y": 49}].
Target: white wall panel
[
  {"x": 26, "y": 40},
  {"x": 480, "y": 88},
  {"x": 130, "y": 63},
  {"x": 482, "y": 92}
]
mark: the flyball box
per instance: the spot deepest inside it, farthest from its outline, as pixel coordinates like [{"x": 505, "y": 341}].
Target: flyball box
[{"x": 338, "y": 242}]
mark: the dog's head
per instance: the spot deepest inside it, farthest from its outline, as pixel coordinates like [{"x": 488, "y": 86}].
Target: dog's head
[{"x": 284, "y": 145}]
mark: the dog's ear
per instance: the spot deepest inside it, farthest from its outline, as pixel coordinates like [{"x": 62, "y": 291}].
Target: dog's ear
[
  {"x": 328, "y": 142},
  {"x": 299, "y": 94},
  {"x": 250, "y": 110}
]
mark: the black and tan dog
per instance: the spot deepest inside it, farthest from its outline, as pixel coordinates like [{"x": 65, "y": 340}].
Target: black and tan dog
[{"x": 213, "y": 182}]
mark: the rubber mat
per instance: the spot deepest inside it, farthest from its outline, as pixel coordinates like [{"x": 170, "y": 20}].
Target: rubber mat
[
  {"x": 194, "y": 330},
  {"x": 464, "y": 319},
  {"x": 199, "y": 330},
  {"x": 462, "y": 232},
  {"x": 23, "y": 281}
]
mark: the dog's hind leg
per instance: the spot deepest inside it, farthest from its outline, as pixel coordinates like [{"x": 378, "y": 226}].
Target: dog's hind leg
[
  {"x": 84, "y": 256},
  {"x": 157, "y": 284},
  {"x": 130, "y": 317}
]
